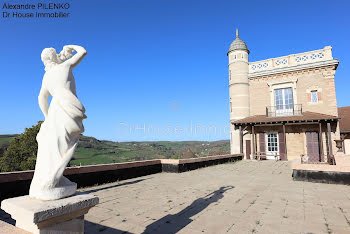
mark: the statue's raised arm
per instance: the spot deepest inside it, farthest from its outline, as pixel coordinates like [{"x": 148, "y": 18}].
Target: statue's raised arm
[{"x": 75, "y": 59}]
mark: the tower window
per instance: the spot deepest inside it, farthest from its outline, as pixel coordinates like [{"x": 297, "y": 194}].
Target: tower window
[
  {"x": 229, "y": 74},
  {"x": 230, "y": 106}
]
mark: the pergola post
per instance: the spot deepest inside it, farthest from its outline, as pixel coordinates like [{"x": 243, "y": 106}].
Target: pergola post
[
  {"x": 253, "y": 139},
  {"x": 240, "y": 139},
  {"x": 329, "y": 138},
  {"x": 285, "y": 141},
  {"x": 320, "y": 141}
]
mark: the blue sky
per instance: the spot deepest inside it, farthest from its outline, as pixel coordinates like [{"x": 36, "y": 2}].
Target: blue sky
[{"x": 161, "y": 64}]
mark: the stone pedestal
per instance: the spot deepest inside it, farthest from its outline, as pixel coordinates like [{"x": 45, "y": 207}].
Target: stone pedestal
[{"x": 59, "y": 216}]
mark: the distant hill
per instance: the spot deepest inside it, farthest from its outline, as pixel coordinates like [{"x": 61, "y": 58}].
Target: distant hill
[
  {"x": 5, "y": 139},
  {"x": 5, "y": 142},
  {"x": 92, "y": 151}
]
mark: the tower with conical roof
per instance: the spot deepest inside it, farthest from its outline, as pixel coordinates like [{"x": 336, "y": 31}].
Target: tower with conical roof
[{"x": 239, "y": 88}]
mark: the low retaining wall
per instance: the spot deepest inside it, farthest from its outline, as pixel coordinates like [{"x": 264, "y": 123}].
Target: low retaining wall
[
  {"x": 329, "y": 177},
  {"x": 17, "y": 183},
  {"x": 14, "y": 184},
  {"x": 182, "y": 165},
  {"x": 322, "y": 172}
]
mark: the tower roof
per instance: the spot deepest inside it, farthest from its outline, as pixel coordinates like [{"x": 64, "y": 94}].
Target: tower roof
[{"x": 238, "y": 44}]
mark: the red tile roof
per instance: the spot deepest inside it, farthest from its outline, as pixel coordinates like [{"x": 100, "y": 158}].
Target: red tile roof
[
  {"x": 344, "y": 115},
  {"x": 305, "y": 117}
]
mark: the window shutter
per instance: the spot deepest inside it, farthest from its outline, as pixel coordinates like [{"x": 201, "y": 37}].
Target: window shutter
[
  {"x": 262, "y": 144},
  {"x": 309, "y": 97},
  {"x": 319, "y": 96}
]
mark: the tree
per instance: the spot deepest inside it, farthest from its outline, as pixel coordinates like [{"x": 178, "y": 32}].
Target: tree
[
  {"x": 22, "y": 151},
  {"x": 2, "y": 149}
]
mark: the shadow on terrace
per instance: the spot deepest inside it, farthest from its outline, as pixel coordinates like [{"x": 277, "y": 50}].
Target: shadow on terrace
[
  {"x": 170, "y": 223},
  {"x": 176, "y": 222}
]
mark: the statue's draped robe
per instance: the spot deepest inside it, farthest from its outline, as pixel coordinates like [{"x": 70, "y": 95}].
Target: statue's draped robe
[{"x": 57, "y": 140}]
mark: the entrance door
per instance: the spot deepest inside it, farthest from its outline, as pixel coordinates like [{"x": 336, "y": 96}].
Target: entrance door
[
  {"x": 284, "y": 101},
  {"x": 312, "y": 145},
  {"x": 271, "y": 145}
]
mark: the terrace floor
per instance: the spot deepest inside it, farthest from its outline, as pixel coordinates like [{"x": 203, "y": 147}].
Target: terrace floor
[{"x": 241, "y": 197}]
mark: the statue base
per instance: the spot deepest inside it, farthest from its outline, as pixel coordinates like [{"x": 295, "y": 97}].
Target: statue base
[
  {"x": 64, "y": 188},
  {"x": 59, "y": 216}
]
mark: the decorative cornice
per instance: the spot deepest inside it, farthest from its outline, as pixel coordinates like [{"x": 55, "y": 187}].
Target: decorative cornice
[
  {"x": 237, "y": 83},
  {"x": 333, "y": 62},
  {"x": 293, "y": 80},
  {"x": 238, "y": 61}
]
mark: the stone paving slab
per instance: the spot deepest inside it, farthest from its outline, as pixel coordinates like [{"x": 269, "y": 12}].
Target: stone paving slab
[{"x": 241, "y": 197}]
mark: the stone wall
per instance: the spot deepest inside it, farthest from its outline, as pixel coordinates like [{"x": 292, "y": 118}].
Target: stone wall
[
  {"x": 14, "y": 184},
  {"x": 302, "y": 82},
  {"x": 296, "y": 144},
  {"x": 347, "y": 146}
]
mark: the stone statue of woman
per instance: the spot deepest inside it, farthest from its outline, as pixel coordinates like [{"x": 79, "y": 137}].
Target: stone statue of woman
[{"x": 59, "y": 133}]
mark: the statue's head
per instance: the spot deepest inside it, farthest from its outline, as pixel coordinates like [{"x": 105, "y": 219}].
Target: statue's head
[{"x": 49, "y": 57}]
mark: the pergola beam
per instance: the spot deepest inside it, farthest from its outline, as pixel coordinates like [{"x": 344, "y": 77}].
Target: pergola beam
[{"x": 283, "y": 122}]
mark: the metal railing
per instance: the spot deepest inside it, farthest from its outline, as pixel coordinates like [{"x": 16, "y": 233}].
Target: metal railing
[{"x": 284, "y": 110}]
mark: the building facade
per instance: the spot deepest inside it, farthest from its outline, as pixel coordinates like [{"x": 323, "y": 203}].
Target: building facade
[
  {"x": 285, "y": 107},
  {"x": 344, "y": 126}
]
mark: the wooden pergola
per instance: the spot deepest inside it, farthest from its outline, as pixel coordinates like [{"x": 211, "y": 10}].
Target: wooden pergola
[{"x": 307, "y": 118}]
